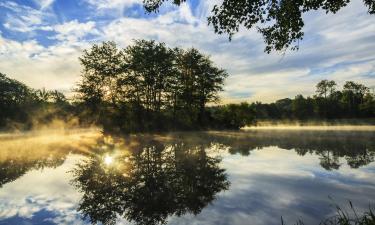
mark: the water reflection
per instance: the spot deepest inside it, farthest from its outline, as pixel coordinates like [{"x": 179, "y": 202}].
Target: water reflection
[
  {"x": 23, "y": 153},
  {"x": 358, "y": 148},
  {"x": 171, "y": 178},
  {"x": 148, "y": 183}
]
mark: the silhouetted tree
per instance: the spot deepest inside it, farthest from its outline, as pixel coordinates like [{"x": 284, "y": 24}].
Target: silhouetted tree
[{"x": 148, "y": 86}]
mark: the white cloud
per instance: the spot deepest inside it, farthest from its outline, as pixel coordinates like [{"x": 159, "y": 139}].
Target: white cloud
[
  {"x": 73, "y": 31},
  {"x": 112, "y": 4},
  {"x": 25, "y": 19},
  {"x": 44, "y": 3},
  {"x": 336, "y": 47},
  {"x": 22, "y": 18},
  {"x": 54, "y": 67},
  {"x": 47, "y": 190}
]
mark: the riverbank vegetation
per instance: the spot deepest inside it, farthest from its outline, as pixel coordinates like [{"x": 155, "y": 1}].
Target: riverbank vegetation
[
  {"x": 149, "y": 87},
  {"x": 353, "y": 101},
  {"x": 23, "y": 108},
  {"x": 346, "y": 217}
]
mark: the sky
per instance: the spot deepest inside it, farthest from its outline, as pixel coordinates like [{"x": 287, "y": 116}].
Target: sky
[{"x": 41, "y": 40}]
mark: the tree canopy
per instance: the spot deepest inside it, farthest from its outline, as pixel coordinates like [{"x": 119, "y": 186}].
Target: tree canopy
[
  {"x": 279, "y": 21},
  {"x": 22, "y": 107},
  {"x": 352, "y": 102},
  {"x": 148, "y": 86}
]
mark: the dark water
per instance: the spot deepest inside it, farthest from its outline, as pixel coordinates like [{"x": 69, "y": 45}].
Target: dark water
[{"x": 252, "y": 177}]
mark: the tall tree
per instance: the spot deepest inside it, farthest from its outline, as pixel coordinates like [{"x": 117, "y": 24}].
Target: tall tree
[
  {"x": 201, "y": 80},
  {"x": 150, "y": 65},
  {"x": 353, "y": 96},
  {"x": 325, "y": 88},
  {"x": 137, "y": 87},
  {"x": 102, "y": 65}
]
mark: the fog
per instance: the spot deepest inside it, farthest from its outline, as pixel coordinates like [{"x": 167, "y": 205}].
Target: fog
[{"x": 337, "y": 125}]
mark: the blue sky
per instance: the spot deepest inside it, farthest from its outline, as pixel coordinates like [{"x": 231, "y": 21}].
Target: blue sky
[{"x": 41, "y": 40}]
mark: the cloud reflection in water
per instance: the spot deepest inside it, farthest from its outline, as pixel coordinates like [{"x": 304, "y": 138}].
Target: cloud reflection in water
[{"x": 181, "y": 178}]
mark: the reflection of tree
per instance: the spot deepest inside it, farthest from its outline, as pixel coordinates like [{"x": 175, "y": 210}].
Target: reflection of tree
[
  {"x": 35, "y": 151},
  {"x": 151, "y": 183},
  {"x": 358, "y": 148},
  {"x": 329, "y": 161},
  {"x": 362, "y": 159},
  {"x": 13, "y": 169}
]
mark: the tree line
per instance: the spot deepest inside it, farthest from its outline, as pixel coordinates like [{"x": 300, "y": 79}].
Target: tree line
[
  {"x": 148, "y": 87},
  {"x": 353, "y": 101},
  {"x": 22, "y": 107}
]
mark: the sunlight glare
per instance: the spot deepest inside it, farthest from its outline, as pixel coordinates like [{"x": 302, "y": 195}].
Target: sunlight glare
[{"x": 108, "y": 160}]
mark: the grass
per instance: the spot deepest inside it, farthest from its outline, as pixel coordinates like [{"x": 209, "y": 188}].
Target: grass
[{"x": 346, "y": 217}]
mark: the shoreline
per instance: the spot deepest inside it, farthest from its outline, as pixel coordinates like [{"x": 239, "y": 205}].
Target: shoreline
[{"x": 312, "y": 127}]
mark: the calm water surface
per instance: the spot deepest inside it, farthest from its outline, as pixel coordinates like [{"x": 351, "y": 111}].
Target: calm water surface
[{"x": 248, "y": 177}]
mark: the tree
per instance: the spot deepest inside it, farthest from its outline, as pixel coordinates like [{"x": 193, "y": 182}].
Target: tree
[
  {"x": 149, "y": 68},
  {"x": 279, "y": 21},
  {"x": 22, "y": 107},
  {"x": 325, "y": 88},
  {"x": 302, "y": 108},
  {"x": 14, "y": 98},
  {"x": 146, "y": 85},
  {"x": 353, "y": 97},
  {"x": 324, "y": 103},
  {"x": 58, "y": 97},
  {"x": 201, "y": 81},
  {"x": 43, "y": 95},
  {"x": 232, "y": 116},
  {"x": 102, "y": 65}
]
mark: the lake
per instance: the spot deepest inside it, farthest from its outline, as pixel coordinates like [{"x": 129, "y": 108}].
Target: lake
[{"x": 244, "y": 177}]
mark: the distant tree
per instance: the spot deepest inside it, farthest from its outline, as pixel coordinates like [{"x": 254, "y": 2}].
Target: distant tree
[
  {"x": 368, "y": 106},
  {"x": 15, "y": 97},
  {"x": 22, "y": 107},
  {"x": 232, "y": 116},
  {"x": 43, "y": 95},
  {"x": 279, "y": 21},
  {"x": 284, "y": 107},
  {"x": 324, "y": 104},
  {"x": 325, "y": 88},
  {"x": 303, "y": 108},
  {"x": 57, "y": 97},
  {"x": 353, "y": 97}
]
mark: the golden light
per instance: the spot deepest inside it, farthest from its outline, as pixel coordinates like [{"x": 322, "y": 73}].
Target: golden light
[{"x": 108, "y": 160}]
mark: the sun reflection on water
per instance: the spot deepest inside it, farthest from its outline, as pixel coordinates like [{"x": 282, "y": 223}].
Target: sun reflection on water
[{"x": 108, "y": 160}]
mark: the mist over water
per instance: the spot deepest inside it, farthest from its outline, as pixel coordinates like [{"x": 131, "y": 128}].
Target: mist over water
[
  {"x": 220, "y": 177},
  {"x": 334, "y": 125}
]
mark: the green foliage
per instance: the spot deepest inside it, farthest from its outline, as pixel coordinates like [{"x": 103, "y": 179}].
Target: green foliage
[
  {"x": 14, "y": 97},
  {"x": 279, "y": 21},
  {"x": 232, "y": 116},
  {"x": 148, "y": 86},
  {"x": 22, "y": 107},
  {"x": 353, "y": 102}
]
